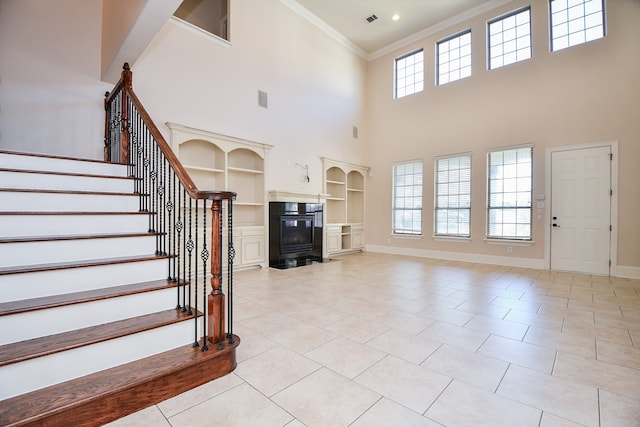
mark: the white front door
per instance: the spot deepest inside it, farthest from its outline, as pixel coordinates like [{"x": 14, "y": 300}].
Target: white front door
[{"x": 581, "y": 210}]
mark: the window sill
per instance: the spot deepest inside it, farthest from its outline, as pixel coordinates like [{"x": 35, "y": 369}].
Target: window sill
[
  {"x": 454, "y": 239},
  {"x": 507, "y": 242}
]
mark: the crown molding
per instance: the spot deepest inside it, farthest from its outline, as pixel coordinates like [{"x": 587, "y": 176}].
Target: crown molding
[
  {"x": 326, "y": 28},
  {"x": 340, "y": 38},
  {"x": 447, "y": 23}
]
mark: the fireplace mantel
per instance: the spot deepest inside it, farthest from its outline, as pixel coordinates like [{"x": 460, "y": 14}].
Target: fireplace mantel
[{"x": 290, "y": 196}]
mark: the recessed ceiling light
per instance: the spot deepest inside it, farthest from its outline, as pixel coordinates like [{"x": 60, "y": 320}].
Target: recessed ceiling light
[{"x": 395, "y": 17}]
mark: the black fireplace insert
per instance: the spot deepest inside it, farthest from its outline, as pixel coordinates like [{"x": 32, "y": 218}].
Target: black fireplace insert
[{"x": 295, "y": 234}]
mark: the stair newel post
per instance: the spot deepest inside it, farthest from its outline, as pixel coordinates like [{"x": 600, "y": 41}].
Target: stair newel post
[
  {"x": 216, "y": 297},
  {"x": 124, "y": 123}
]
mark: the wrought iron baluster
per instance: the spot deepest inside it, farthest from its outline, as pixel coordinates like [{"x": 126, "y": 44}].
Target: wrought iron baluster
[
  {"x": 147, "y": 178},
  {"x": 129, "y": 130},
  {"x": 173, "y": 202},
  {"x": 230, "y": 259},
  {"x": 195, "y": 277},
  {"x": 168, "y": 239},
  {"x": 219, "y": 271},
  {"x": 184, "y": 251},
  {"x": 160, "y": 236},
  {"x": 154, "y": 191},
  {"x": 205, "y": 256},
  {"x": 178, "y": 254}
]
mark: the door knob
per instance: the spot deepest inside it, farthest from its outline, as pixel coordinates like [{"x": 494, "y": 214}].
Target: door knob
[
  {"x": 555, "y": 225},
  {"x": 555, "y": 217}
]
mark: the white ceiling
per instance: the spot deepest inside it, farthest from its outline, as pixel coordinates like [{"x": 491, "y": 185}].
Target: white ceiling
[{"x": 348, "y": 17}]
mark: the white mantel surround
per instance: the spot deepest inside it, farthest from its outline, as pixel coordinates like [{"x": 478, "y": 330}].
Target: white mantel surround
[{"x": 289, "y": 196}]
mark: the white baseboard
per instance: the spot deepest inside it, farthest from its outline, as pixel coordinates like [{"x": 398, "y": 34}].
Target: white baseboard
[
  {"x": 463, "y": 257},
  {"x": 628, "y": 272}
]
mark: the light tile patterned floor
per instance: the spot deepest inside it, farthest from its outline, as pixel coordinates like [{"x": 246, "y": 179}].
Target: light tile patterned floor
[{"x": 380, "y": 340}]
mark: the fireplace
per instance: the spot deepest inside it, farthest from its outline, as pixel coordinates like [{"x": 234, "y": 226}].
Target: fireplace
[{"x": 295, "y": 234}]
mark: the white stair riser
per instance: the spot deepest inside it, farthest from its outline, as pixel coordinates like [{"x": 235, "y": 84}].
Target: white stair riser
[
  {"x": 44, "y": 252},
  {"x": 46, "y": 283},
  {"x": 24, "y": 326},
  {"x": 49, "y": 164},
  {"x": 64, "y": 202},
  {"x": 40, "y": 181},
  {"x": 56, "y": 225},
  {"x": 48, "y": 370}
]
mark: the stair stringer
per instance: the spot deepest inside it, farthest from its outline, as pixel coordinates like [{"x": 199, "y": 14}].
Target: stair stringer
[{"x": 33, "y": 374}]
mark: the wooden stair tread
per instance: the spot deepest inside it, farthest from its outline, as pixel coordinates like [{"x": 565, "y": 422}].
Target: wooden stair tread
[
  {"x": 25, "y": 239},
  {"x": 42, "y": 346},
  {"x": 77, "y": 264},
  {"x": 21, "y": 306},
  {"x": 80, "y": 192},
  {"x": 110, "y": 394},
  {"x": 75, "y": 174},
  {"x": 53, "y": 156},
  {"x": 37, "y": 213}
]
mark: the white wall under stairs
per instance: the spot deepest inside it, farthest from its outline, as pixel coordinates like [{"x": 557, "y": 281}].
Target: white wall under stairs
[{"x": 66, "y": 231}]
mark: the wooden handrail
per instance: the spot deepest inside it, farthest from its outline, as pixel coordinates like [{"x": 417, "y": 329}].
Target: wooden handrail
[
  {"x": 124, "y": 115},
  {"x": 125, "y": 83}
]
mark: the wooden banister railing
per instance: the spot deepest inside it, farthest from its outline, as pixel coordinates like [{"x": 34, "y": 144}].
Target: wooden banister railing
[{"x": 177, "y": 212}]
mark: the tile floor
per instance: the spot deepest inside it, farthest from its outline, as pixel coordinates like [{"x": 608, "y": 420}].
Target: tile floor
[{"x": 380, "y": 340}]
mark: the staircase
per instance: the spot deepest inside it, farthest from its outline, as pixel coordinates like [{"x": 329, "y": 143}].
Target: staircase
[{"x": 90, "y": 327}]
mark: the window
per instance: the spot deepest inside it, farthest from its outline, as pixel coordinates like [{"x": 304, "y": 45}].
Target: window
[
  {"x": 454, "y": 58},
  {"x": 407, "y": 198},
  {"x": 509, "y": 194},
  {"x": 575, "y": 22},
  {"x": 409, "y": 74},
  {"x": 453, "y": 196},
  {"x": 510, "y": 39}
]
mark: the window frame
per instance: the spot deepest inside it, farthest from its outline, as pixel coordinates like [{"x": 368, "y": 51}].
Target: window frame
[
  {"x": 513, "y": 13},
  {"x": 552, "y": 39},
  {"x": 436, "y": 193},
  {"x": 437, "y": 52},
  {"x": 503, "y": 207},
  {"x": 396, "y": 77},
  {"x": 395, "y": 210}
]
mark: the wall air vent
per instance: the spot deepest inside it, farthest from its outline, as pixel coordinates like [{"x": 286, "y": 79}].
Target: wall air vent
[{"x": 370, "y": 19}]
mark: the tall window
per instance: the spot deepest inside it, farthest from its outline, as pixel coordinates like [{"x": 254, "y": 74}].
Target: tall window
[
  {"x": 409, "y": 74},
  {"x": 453, "y": 196},
  {"x": 509, "y": 194},
  {"x": 454, "y": 58},
  {"x": 575, "y": 22},
  {"x": 407, "y": 198},
  {"x": 510, "y": 38}
]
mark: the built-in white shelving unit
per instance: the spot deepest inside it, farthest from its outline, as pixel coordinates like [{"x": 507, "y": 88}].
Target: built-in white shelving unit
[
  {"x": 221, "y": 162},
  {"x": 344, "y": 184}
]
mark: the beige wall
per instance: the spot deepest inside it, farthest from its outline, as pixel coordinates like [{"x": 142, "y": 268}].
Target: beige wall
[
  {"x": 118, "y": 18},
  {"x": 50, "y": 65},
  {"x": 584, "y": 94},
  {"x": 314, "y": 88},
  {"x": 51, "y": 97}
]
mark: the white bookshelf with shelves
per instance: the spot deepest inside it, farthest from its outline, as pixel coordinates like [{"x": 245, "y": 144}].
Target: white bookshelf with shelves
[
  {"x": 344, "y": 184},
  {"x": 221, "y": 162}
]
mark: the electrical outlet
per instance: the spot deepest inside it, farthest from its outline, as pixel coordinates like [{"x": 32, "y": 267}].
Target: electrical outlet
[{"x": 509, "y": 249}]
